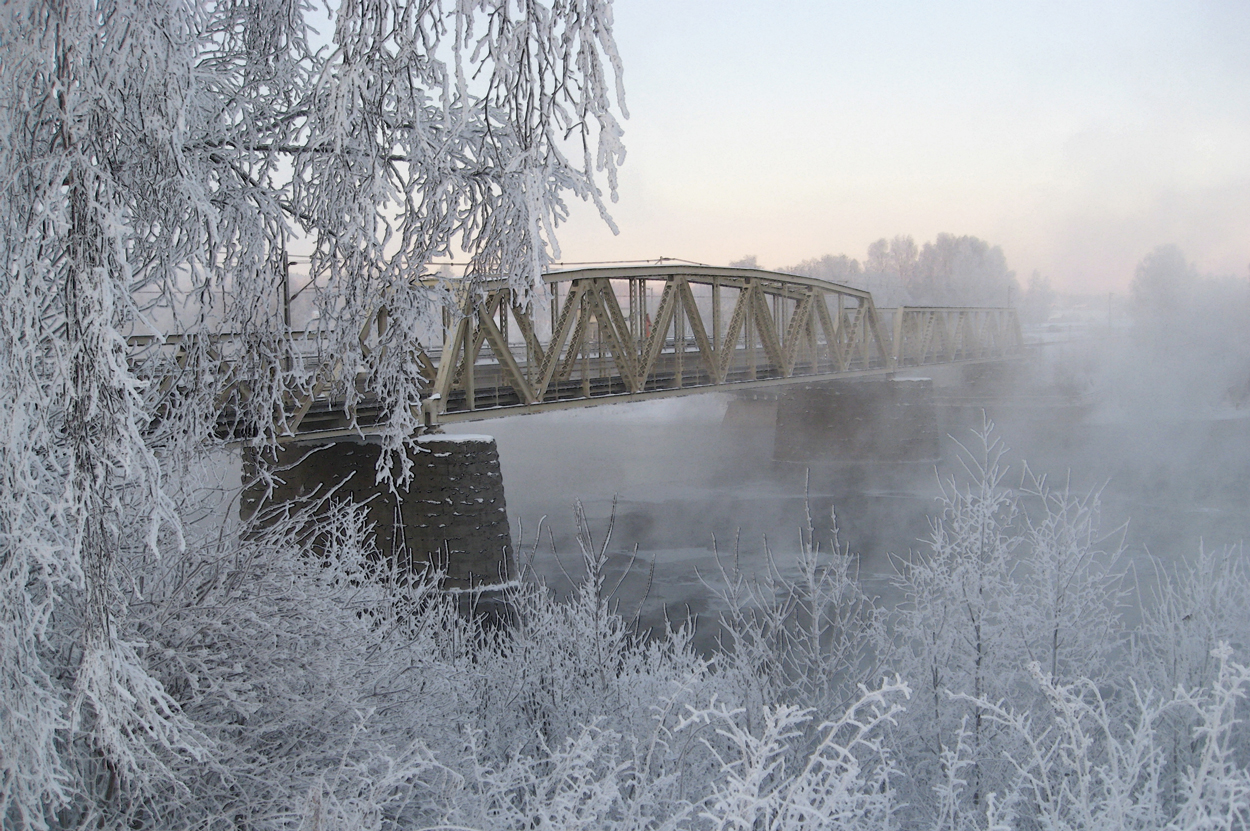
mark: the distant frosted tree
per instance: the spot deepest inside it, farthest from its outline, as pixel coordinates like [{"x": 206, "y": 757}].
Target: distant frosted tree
[
  {"x": 878, "y": 275},
  {"x": 1163, "y": 283},
  {"x": 889, "y": 269},
  {"x": 159, "y": 161},
  {"x": 898, "y": 256},
  {"x": 956, "y": 630},
  {"x": 962, "y": 271},
  {"x": 1039, "y": 299},
  {"x": 950, "y": 271},
  {"x": 839, "y": 269},
  {"x": 1189, "y": 324}
]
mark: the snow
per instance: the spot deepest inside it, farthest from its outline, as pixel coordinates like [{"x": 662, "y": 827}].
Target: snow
[{"x": 459, "y": 438}]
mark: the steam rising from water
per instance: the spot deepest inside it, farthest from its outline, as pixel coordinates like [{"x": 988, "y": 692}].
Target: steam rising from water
[{"x": 1150, "y": 403}]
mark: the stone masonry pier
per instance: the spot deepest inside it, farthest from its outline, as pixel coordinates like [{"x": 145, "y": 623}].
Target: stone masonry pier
[{"x": 452, "y": 513}]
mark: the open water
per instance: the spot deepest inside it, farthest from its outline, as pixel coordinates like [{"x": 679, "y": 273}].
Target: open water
[{"x": 689, "y": 487}]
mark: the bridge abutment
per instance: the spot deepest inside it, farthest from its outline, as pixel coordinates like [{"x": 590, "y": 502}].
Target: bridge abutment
[
  {"x": 451, "y": 514},
  {"x": 868, "y": 420}
]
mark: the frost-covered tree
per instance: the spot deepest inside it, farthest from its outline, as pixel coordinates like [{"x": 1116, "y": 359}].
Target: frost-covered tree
[
  {"x": 158, "y": 163},
  {"x": 1069, "y": 615},
  {"x": 1011, "y": 576},
  {"x": 1039, "y": 299},
  {"x": 956, "y": 627},
  {"x": 1163, "y": 283},
  {"x": 839, "y": 269},
  {"x": 899, "y": 256},
  {"x": 813, "y": 640},
  {"x": 1192, "y": 607},
  {"x": 957, "y": 271},
  {"x": 1186, "y": 352},
  {"x": 950, "y": 271}
]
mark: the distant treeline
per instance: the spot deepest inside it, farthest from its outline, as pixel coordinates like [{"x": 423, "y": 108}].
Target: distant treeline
[{"x": 950, "y": 271}]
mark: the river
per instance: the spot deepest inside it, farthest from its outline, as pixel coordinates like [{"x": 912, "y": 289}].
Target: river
[{"x": 696, "y": 489}]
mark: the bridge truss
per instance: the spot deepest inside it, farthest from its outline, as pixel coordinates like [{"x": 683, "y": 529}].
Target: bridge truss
[
  {"x": 615, "y": 334},
  {"x": 619, "y": 334}
]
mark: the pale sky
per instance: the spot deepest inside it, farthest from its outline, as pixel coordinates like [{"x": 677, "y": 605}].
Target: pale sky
[{"x": 1076, "y": 135}]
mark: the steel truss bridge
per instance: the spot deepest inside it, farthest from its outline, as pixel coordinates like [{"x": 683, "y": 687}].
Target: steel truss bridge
[{"x": 631, "y": 333}]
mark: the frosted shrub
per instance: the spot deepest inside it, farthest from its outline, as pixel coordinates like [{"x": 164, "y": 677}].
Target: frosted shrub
[
  {"x": 299, "y": 666},
  {"x": 1070, "y": 613},
  {"x": 586, "y": 782},
  {"x": 618, "y": 679},
  {"x": 1193, "y": 606},
  {"x": 1083, "y": 763},
  {"x": 566, "y": 665},
  {"x": 956, "y": 629},
  {"x": 1082, "y": 767},
  {"x": 1008, "y": 576},
  {"x": 1215, "y": 787},
  {"x": 843, "y": 782},
  {"x": 812, "y": 641},
  {"x": 575, "y": 721}
]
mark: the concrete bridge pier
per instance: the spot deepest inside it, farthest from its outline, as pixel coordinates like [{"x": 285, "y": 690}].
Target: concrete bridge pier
[
  {"x": 863, "y": 420},
  {"x": 452, "y": 513}
]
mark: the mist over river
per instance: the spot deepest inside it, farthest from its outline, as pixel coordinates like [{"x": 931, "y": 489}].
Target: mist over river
[{"x": 695, "y": 476}]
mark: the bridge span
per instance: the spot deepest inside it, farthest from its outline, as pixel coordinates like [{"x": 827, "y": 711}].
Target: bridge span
[
  {"x": 611, "y": 335},
  {"x": 604, "y": 335}
]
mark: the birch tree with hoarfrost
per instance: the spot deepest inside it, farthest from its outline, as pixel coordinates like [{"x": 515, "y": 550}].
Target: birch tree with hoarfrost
[{"x": 158, "y": 162}]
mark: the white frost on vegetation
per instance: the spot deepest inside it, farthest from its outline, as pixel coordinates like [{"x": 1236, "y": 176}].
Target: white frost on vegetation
[{"x": 158, "y": 163}]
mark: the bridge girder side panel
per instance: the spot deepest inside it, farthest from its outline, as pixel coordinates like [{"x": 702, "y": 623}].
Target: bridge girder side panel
[
  {"x": 946, "y": 328},
  {"x": 934, "y": 337},
  {"x": 706, "y": 352},
  {"x": 500, "y": 348},
  {"x": 828, "y": 324},
  {"x": 659, "y": 333},
  {"x": 969, "y": 334},
  {"x": 729, "y": 342},
  {"x": 968, "y": 331},
  {"x": 559, "y": 336},
  {"x": 924, "y": 336},
  {"x": 447, "y": 364},
  {"x": 624, "y": 331},
  {"x": 763, "y": 319},
  {"x": 855, "y": 339},
  {"x": 600, "y": 300},
  {"x": 577, "y": 343},
  {"x": 796, "y": 330},
  {"x": 874, "y": 330},
  {"x": 994, "y": 333},
  {"x": 925, "y": 333},
  {"x": 983, "y": 326},
  {"x": 977, "y": 327},
  {"x": 942, "y": 344},
  {"x": 524, "y": 321}
]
